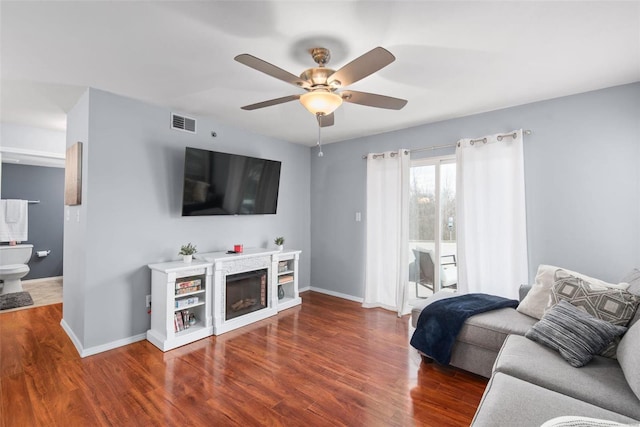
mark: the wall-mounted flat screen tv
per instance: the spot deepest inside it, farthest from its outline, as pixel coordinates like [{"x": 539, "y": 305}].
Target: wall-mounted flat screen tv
[{"x": 228, "y": 184}]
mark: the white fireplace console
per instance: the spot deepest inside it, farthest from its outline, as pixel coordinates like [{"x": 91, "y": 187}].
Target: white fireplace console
[{"x": 251, "y": 260}]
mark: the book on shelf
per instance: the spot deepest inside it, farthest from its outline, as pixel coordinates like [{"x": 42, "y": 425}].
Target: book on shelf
[
  {"x": 181, "y": 320},
  {"x": 188, "y": 284},
  {"x": 188, "y": 290},
  {"x": 185, "y": 302},
  {"x": 179, "y": 323},
  {"x": 185, "y": 318},
  {"x": 285, "y": 279}
]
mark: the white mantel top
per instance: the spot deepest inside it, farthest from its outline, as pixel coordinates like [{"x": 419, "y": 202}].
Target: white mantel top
[
  {"x": 223, "y": 256},
  {"x": 168, "y": 267}
]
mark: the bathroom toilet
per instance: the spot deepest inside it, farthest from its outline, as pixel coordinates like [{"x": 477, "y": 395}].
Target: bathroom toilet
[{"x": 13, "y": 266}]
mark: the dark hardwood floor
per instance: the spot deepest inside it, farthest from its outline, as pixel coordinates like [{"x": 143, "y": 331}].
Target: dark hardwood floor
[{"x": 328, "y": 362}]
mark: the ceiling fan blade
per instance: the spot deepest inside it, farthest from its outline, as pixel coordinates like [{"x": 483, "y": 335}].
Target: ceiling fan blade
[
  {"x": 271, "y": 70},
  {"x": 373, "y": 100},
  {"x": 325, "y": 121},
  {"x": 271, "y": 102},
  {"x": 372, "y": 61}
]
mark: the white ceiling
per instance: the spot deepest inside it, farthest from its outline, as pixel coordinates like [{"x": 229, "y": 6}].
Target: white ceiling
[{"x": 452, "y": 58}]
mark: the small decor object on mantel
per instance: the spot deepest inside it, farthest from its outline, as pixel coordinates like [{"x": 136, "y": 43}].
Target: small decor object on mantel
[
  {"x": 187, "y": 252},
  {"x": 279, "y": 241}
]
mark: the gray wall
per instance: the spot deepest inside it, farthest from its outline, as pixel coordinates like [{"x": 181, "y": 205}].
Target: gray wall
[
  {"x": 45, "y": 219},
  {"x": 131, "y": 210},
  {"x": 74, "y": 291},
  {"x": 581, "y": 174}
]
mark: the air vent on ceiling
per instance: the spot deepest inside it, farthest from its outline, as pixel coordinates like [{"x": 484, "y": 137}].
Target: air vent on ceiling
[{"x": 183, "y": 123}]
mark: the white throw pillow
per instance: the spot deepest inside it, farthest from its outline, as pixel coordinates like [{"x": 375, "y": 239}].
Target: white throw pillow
[{"x": 537, "y": 299}]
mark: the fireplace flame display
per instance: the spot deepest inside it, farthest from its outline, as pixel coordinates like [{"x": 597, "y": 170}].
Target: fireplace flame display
[
  {"x": 243, "y": 303},
  {"x": 245, "y": 293}
]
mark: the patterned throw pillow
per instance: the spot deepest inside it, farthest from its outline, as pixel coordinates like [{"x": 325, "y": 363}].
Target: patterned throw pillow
[
  {"x": 575, "y": 334},
  {"x": 613, "y": 305},
  {"x": 537, "y": 299}
]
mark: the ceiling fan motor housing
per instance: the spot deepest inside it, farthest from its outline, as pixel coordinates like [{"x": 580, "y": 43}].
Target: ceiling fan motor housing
[{"x": 318, "y": 77}]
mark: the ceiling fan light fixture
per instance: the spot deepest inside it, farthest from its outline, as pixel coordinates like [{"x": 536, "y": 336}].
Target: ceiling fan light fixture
[{"x": 321, "y": 102}]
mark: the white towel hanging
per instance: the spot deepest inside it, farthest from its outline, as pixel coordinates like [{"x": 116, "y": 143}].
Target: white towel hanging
[
  {"x": 13, "y": 210},
  {"x": 14, "y": 220}
]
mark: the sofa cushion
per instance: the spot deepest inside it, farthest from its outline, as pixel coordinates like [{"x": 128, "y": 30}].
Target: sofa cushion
[
  {"x": 629, "y": 357},
  {"x": 601, "y": 382},
  {"x": 536, "y": 301},
  {"x": 489, "y": 330},
  {"x": 633, "y": 279},
  {"x": 572, "y": 332},
  {"x": 510, "y": 401}
]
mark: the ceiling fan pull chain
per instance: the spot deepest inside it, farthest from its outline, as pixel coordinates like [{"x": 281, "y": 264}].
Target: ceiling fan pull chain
[{"x": 319, "y": 144}]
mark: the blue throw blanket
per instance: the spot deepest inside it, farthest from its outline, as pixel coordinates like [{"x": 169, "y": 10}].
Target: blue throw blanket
[{"x": 440, "y": 322}]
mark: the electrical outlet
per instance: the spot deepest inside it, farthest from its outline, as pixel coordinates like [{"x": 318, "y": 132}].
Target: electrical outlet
[{"x": 148, "y": 301}]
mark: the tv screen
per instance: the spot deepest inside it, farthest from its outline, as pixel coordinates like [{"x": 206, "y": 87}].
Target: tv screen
[{"x": 228, "y": 184}]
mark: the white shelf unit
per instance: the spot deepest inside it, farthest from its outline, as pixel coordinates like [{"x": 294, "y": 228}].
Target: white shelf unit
[
  {"x": 166, "y": 281},
  {"x": 287, "y": 277}
]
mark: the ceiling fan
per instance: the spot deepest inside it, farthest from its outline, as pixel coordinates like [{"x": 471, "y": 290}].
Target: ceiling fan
[{"x": 324, "y": 86}]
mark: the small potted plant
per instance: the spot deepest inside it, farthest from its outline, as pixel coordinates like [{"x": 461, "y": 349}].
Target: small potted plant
[
  {"x": 187, "y": 252},
  {"x": 279, "y": 241}
]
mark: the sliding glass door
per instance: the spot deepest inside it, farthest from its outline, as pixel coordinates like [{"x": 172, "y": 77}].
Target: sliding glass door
[{"x": 432, "y": 226}]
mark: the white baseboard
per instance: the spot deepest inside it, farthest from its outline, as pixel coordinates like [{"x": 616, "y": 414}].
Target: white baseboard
[
  {"x": 90, "y": 351},
  {"x": 72, "y": 336},
  {"x": 42, "y": 279},
  {"x": 336, "y": 294},
  {"x": 113, "y": 344}
]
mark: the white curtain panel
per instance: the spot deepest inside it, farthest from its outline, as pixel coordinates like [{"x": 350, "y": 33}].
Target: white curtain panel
[
  {"x": 387, "y": 258},
  {"x": 492, "y": 236}
]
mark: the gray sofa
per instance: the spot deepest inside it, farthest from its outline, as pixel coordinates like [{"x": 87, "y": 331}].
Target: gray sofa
[{"x": 531, "y": 384}]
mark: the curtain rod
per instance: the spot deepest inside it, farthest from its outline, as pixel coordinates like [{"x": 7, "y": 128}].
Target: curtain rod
[
  {"x": 31, "y": 202},
  {"x": 437, "y": 147}
]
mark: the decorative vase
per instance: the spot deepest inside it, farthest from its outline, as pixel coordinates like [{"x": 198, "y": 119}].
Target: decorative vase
[
  {"x": 280, "y": 248},
  {"x": 187, "y": 258},
  {"x": 280, "y": 292}
]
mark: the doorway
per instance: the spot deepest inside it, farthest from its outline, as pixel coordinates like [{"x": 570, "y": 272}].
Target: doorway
[{"x": 432, "y": 226}]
